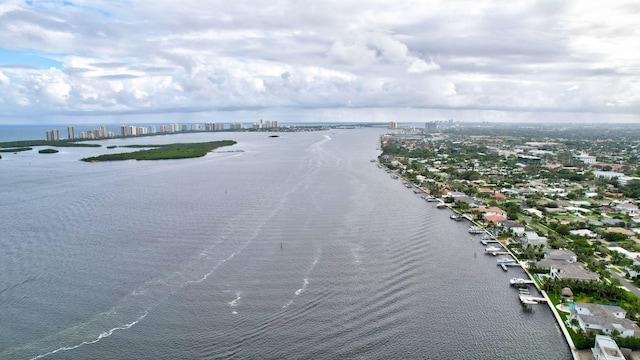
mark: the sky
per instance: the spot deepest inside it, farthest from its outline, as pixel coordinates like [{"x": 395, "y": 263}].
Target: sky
[{"x": 116, "y": 61}]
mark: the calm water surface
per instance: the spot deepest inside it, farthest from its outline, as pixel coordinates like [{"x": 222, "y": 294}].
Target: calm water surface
[{"x": 294, "y": 247}]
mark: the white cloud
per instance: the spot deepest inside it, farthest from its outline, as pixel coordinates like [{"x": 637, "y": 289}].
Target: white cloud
[
  {"x": 4, "y": 80},
  {"x": 155, "y": 56}
]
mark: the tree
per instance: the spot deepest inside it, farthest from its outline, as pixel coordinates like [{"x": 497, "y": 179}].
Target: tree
[
  {"x": 563, "y": 229},
  {"x": 614, "y": 237}
]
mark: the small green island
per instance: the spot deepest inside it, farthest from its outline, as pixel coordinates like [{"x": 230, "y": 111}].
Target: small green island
[
  {"x": 48, "y": 151},
  {"x": 26, "y": 144},
  {"x": 15, "y": 149},
  {"x": 164, "y": 152}
]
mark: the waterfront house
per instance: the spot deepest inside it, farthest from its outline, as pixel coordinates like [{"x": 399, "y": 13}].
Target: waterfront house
[
  {"x": 605, "y": 348},
  {"x": 563, "y": 264},
  {"x": 514, "y": 226},
  {"x": 494, "y": 219},
  {"x": 494, "y": 210},
  {"x": 604, "y": 318}
]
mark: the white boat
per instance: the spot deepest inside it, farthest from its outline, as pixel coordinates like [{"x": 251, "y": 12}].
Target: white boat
[
  {"x": 506, "y": 260},
  {"x": 492, "y": 249},
  {"x": 441, "y": 205},
  {"x": 516, "y": 281},
  {"x": 456, "y": 217},
  {"x": 475, "y": 229}
]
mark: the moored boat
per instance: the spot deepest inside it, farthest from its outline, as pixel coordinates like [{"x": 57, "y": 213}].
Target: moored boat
[{"x": 475, "y": 229}]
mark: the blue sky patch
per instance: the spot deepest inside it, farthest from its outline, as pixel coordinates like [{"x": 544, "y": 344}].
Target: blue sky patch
[
  {"x": 55, "y": 4},
  {"x": 25, "y": 57}
]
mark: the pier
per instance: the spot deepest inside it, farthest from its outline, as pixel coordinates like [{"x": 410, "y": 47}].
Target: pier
[
  {"x": 529, "y": 300},
  {"x": 504, "y": 265},
  {"x": 489, "y": 241}
]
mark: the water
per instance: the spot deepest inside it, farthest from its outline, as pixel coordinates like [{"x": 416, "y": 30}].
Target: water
[{"x": 183, "y": 259}]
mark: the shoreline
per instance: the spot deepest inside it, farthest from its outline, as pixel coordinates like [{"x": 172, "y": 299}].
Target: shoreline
[
  {"x": 572, "y": 348},
  {"x": 554, "y": 311}
]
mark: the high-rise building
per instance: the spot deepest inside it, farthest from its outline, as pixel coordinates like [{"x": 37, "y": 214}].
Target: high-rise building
[
  {"x": 431, "y": 127},
  {"x": 126, "y": 130},
  {"x": 52, "y": 135},
  {"x": 392, "y": 125},
  {"x": 70, "y": 132}
]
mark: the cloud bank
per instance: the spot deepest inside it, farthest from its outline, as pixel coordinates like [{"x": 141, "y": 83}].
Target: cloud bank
[{"x": 321, "y": 61}]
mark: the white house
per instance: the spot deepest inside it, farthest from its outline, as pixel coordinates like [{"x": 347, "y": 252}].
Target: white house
[
  {"x": 532, "y": 237},
  {"x": 583, "y": 232},
  {"x": 514, "y": 226},
  {"x": 564, "y": 264},
  {"x": 586, "y": 158},
  {"x": 604, "y": 318},
  {"x": 627, "y": 208}
]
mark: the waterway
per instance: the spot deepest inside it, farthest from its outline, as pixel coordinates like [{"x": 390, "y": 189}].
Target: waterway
[{"x": 293, "y": 247}]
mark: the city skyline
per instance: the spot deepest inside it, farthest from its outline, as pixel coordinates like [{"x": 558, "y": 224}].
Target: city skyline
[
  {"x": 153, "y": 62},
  {"x": 102, "y": 132}
]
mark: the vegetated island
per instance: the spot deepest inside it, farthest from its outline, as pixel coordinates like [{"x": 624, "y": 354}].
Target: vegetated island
[
  {"x": 28, "y": 143},
  {"x": 48, "y": 151},
  {"x": 15, "y": 149},
  {"x": 164, "y": 152}
]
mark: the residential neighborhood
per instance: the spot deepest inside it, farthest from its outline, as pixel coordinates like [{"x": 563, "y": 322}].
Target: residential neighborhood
[{"x": 563, "y": 199}]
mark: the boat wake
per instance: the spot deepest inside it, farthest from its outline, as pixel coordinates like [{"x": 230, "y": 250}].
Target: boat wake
[
  {"x": 304, "y": 286},
  {"x": 99, "y": 337},
  {"x": 305, "y": 283},
  {"x": 234, "y": 302}
]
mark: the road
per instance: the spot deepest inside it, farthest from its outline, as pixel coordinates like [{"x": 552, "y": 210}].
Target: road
[{"x": 631, "y": 287}]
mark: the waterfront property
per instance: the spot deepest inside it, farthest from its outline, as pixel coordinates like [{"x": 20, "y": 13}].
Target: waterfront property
[
  {"x": 604, "y": 318},
  {"x": 563, "y": 264}
]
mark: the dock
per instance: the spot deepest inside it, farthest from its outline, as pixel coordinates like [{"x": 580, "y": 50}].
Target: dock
[
  {"x": 504, "y": 265},
  {"x": 527, "y": 299},
  {"x": 489, "y": 241}
]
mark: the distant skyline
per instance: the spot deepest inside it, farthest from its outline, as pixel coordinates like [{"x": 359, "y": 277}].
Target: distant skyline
[{"x": 111, "y": 62}]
